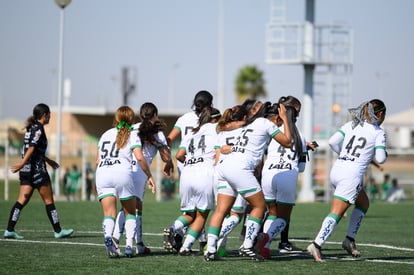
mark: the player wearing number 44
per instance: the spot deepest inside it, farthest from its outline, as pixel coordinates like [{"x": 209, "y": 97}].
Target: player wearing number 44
[{"x": 358, "y": 143}]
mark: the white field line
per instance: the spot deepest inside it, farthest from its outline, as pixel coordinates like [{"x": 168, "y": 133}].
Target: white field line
[{"x": 160, "y": 248}]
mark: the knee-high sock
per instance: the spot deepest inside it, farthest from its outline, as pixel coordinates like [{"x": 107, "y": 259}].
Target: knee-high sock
[
  {"x": 119, "y": 225},
  {"x": 269, "y": 220},
  {"x": 227, "y": 227},
  {"x": 130, "y": 227},
  {"x": 212, "y": 237},
  {"x": 14, "y": 216},
  {"x": 275, "y": 228},
  {"x": 190, "y": 238},
  {"x": 328, "y": 226},
  {"x": 355, "y": 221},
  {"x": 179, "y": 224},
  {"x": 53, "y": 217},
  {"x": 108, "y": 224},
  {"x": 252, "y": 229}
]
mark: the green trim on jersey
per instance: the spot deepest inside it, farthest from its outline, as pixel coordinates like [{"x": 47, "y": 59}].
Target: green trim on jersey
[
  {"x": 341, "y": 132},
  {"x": 136, "y": 146},
  {"x": 380, "y": 147},
  {"x": 176, "y": 127},
  {"x": 247, "y": 191},
  {"x": 341, "y": 198},
  {"x": 276, "y": 132},
  {"x": 105, "y": 196}
]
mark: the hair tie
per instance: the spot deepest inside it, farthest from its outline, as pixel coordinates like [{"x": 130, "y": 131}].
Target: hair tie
[{"x": 124, "y": 124}]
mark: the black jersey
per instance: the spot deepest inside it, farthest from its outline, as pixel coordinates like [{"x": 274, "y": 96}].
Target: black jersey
[{"x": 34, "y": 172}]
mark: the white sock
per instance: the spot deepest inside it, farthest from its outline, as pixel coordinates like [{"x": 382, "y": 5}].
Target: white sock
[
  {"x": 355, "y": 222},
  {"x": 108, "y": 226},
  {"x": 328, "y": 226},
  {"x": 189, "y": 239},
  {"x": 178, "y": 227},
  {"x": 275, "y": 228},
  {"x": 227, "y": 227},
  {"x": 130, "y": 226},
  {"x": 119, "y": 225},
  {"x": 269, "y": 220},
  {"x": 212, "y": 243},
  {"x": 252, "y": 229}
]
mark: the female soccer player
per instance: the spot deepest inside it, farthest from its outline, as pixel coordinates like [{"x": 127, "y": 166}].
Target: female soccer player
[
  {"x": 198, "y": 153},
  {"x": 236, "y": 175},
  {"x": 114, "y": 177},
  {"x": 280, "y": 174},
  {"x": 33, "y": 173},
  {"x": 358, "y": 143},
  {"x": 152, "y": 138}
]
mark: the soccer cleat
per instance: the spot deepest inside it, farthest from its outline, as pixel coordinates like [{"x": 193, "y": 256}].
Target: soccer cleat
[
  {"x": 12, "y": 235},
  {"x": 112, "y": 251},
  {"x": 249, "y": 252},
  {"x": 178, "y": 239},
  {"x": 261, "y": 240},
  {"x": 288, "y": 248},
  {"x": 129, "y": 253},
  {"x": 169, "y": 242},
  {"x": 142, "y": 249},
  {"x": 64, "y": 233},
  {"x": 315, "y": 252},
  {"x": 185, "y": 252},
  {"x": 351, "y": 248},
  {"x": 265, "y": 253},
  {"x": 210, "y": 257}
]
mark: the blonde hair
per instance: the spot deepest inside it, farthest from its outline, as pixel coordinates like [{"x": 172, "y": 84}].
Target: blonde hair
[{"x": 124, "y": 118}]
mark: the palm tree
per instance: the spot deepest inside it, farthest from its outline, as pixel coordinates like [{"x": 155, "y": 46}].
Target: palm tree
[{"x": 250, "y": 83}]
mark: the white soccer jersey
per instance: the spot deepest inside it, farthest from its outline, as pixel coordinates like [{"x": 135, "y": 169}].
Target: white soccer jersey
[
  {"x": 252, "y": 141},
  {"x": 359, "y": 144},
  {"x": 197, "y": 174},
  {"x": 186, "y": 123},
  {"x": 114, "y": 170}
]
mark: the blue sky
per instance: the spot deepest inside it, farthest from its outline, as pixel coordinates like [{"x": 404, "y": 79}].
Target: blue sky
[{"x": 156, "y": 36}]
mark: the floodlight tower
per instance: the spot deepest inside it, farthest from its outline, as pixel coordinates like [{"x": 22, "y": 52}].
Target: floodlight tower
[{"x": 311, "y": 46}]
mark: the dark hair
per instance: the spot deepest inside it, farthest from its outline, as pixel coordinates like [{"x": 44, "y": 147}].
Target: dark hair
[
  {"x": 236, "y": 113},
  {"x": 202, "y": 99},
  {"x": 203, "y": 118},
  {"x": 272, "y": 110},
  {"x": 292, "y": 103},
  {"x": 379, "y": 106},
  {"x": 249, "y": 104},
  {"x": 215, "y": 114},
  {"x": 38, "y": 111},
  {"x": 148, "y": 129}
]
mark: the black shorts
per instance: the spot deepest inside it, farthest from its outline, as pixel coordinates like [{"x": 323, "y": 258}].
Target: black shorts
[{"x": 34, "y": 179}]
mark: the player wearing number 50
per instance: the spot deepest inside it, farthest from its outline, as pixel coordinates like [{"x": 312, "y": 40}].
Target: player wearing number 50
[
  {"x": 114, "y": 177},
  {"x": 357, "y": 143}
]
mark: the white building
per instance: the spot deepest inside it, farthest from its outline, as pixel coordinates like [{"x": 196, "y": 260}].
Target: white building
[{"x": 400, "y": 130}]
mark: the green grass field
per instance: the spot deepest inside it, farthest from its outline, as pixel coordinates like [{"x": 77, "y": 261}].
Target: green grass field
[{"x": 386, "y": 242}]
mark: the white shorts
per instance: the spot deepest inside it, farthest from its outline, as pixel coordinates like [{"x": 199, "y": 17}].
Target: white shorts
[
  {"x": 279, "y": 185},
  {"x": 233, "y": 180},
  {"x": 347, "y": 181},
  {"x": 110, "y": 182},
  {"x": 197, "y": 188}
]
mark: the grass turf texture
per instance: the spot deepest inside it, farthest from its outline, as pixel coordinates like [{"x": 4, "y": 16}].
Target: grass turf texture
[{"x": 386, "y": 242}]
